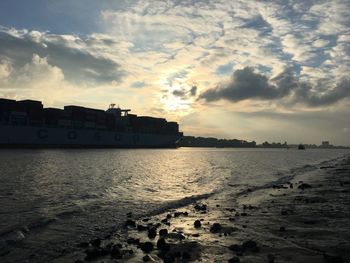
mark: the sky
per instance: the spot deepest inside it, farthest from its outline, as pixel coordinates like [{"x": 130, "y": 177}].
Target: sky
[{"x": 273, "y": 70}]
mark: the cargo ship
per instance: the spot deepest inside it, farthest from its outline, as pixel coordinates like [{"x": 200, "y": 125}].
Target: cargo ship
[{"x": 27, "y": 124}]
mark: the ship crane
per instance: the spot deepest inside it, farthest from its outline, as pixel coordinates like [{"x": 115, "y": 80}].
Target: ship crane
[{"x": 117, "y": 111}]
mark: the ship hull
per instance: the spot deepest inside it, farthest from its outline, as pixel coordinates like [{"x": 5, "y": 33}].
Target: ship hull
[{"x": 44, "y": 137}]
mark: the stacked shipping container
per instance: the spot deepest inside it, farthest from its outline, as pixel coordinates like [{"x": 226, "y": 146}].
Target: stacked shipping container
[{"x": 31, "y": 112}]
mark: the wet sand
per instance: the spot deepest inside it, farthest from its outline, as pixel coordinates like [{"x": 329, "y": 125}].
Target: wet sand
[{"x": 303, "y": 220}]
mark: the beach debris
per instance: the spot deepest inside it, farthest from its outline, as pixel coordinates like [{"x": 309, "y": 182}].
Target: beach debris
[
  {"x": 146, "y": 247},
  {"x": 197, "y": 224},
  {"x": 304, "y": 186}
]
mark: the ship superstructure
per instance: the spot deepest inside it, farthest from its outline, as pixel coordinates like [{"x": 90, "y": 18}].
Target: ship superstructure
[{"x": 27, "y": 123}]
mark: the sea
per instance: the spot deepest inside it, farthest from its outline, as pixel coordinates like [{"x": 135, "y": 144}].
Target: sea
[{"x": 53, "y": 199}]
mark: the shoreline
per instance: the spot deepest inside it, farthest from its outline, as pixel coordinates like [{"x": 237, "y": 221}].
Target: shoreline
[{"x": 303, "y": 220}]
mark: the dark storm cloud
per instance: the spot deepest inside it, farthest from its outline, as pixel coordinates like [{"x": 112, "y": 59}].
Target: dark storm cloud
[
  {"x": 77, "y": 64},
  {"x": 248, "y": 84}
]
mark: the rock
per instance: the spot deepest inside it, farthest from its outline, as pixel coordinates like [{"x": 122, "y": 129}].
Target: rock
[
  {"x": 200, "y": 207},
  {"x": 282, "y": 229},
  {"x": 175, "y": 235},
  {"x": 163, "y": 232},
  {"x": 168, "y": 216},
  {"x": 234, "y": 260},
  {"x": 129, "y": 215},
  {"x": 164, "y": 221},
  {"x": 130, "y": 223},
  {"x": 304, "y": 186},
  {"x": 177, "y": 214},
  {"x": 215, "y": 228},
  {"x": 152, "y": 232},
  {"x": 162, "y": 244},
  {"x": 146, "y": 258},
  {"x": 244, "y": 214},
  {"x": 231, "y": 219},
  {"x": 146, "y": 247},
  {"x": 142, "y": 228},
  {"x": 197, "y": 224},
  {"x": 169, "y": 258}
]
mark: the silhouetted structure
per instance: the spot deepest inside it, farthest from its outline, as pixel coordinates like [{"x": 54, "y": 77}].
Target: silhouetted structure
[{"x": 28, "y": 123}]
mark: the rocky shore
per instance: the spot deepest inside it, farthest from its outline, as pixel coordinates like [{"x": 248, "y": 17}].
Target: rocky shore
[{"x": 303, "y": 220}]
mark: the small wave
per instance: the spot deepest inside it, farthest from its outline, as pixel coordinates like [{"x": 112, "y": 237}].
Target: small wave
[{"x": 180, "y": 203}]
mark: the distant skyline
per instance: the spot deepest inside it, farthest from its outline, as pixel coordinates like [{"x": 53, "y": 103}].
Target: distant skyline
[{"x": 255, "y": 70}]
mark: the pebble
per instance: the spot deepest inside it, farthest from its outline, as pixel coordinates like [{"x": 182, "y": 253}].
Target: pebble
[
  {"x": 197, "y": 224},
  {"x": 146, "y": 247},
  {"x": 215, "y": 228}
]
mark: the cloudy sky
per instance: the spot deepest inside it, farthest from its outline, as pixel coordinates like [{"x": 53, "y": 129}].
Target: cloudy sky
[{"x": 273, "y": 70}]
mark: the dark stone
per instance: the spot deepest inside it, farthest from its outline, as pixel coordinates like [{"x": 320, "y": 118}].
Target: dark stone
[
  {"x": 163, "y": 232},
  {"x": 142, "y": 228},
  {"x": 96, "y": 242},
  {"x": 200, "y": 207},
  {"x": 146, "y": 258},
  {"x": 234, "y": 260},
  {"x": 304, "y": 186},
  {"x": 152, "y": 232},
  {"x": 215, "y": 228},
  {"x": 244, "y": 214},
  {"x": 197, "y": 224},
  {"x": 164, "y": 221},
  {"x": 232, "y": 219},
  {"x": 146, "y": 247},
  {"x": 168, "y": 216},
  {"x": 177, "y": 214},
  {"x": 282, "y": 229},
  {"x": 130, "y": 223},
  {"x": 129, "y": 215}
]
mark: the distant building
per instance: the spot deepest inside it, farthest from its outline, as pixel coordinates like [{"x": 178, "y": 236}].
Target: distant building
[{"x": 325, "y": 144}]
